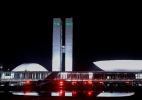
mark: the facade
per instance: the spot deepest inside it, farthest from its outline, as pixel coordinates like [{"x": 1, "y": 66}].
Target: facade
[
  {"x": 58, "y": 48},
  {"x": 99, "y": 75}
]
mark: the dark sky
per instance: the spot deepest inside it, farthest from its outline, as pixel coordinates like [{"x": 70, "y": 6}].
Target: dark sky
[{"x": 26, "y": 36}]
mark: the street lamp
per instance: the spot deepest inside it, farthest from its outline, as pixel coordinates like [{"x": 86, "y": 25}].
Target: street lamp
[
  {"x": 1, "y": 68},
  {"x": 1, "y": 71}
]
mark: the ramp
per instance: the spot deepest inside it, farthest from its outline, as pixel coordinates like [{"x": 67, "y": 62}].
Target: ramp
[{"x": 51, "y": 76}]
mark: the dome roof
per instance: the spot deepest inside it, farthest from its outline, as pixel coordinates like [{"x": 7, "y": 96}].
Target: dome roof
[
  {"x": 29, "y": 67},
  {"x": 120, "y": 65}
]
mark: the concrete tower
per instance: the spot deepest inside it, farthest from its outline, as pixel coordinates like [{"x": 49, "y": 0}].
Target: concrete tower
[
  {"x": 57, "y": 44},
  {"x": 58, "y": 48},
  {"x": 68, "y": 44}
]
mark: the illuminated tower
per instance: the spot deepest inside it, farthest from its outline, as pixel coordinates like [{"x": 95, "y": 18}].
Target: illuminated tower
[
  {"x": 68, "y": 44},
  {"x": 57, "y": 45},
  {"x": 58, "y": 48}
]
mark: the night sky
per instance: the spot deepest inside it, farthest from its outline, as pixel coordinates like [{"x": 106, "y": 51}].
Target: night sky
[{"x": 26, "y": 37}]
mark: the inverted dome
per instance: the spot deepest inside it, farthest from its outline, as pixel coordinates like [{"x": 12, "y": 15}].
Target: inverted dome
[
  {"x": 29, "y": 67},
  {"x": 120, "y": 65}
]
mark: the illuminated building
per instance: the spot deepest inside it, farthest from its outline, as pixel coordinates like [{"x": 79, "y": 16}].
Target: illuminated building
[
  {"x": 31, "y": 71},
  {"x": 58, "y": 48},
  {"x": 120, "y": 65}
]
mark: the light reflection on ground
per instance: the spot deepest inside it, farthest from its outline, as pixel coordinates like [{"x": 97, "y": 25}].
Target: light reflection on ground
[
  {"x": 115, "y": 94},
  {"x": 26, "y": 93},
  {"x": 76, "y": 94}
]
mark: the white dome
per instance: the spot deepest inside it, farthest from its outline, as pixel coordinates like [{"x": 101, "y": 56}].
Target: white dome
[
  {"x": 120, "y": 65},
  {"x": 29, "y": 67}
]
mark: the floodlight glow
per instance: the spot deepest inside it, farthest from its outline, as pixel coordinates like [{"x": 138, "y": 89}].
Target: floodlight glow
[{"x": 120, "y": 65}]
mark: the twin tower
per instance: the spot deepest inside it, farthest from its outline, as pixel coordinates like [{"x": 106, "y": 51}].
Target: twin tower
[{"x": 62, "y": 47}]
